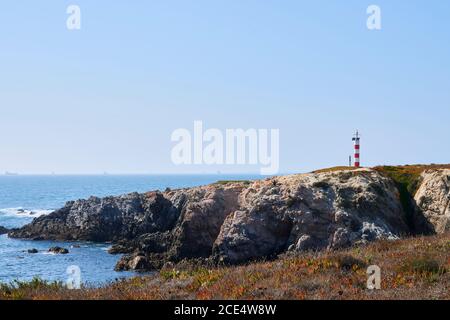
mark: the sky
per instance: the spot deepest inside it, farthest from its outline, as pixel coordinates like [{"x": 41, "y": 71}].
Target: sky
[{"x": 107, "y": 97}]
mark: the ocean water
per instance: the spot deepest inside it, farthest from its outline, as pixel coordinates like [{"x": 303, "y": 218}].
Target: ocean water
[{"x": 23, "y": 198}]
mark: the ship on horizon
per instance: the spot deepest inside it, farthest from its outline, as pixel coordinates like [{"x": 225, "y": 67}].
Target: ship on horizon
[{"x": 7, "y": 173}]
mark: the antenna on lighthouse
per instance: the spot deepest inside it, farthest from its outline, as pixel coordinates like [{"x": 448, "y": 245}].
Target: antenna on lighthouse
[{"x": 356, "y": 139}]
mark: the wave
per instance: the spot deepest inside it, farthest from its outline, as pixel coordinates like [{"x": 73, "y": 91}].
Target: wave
[
  {"x": 46, "y": 253},
  {"x": 25, "y": 213}
]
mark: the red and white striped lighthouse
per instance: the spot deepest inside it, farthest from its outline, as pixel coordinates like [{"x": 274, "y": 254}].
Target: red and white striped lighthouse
[{"x": 356, "y": 139}]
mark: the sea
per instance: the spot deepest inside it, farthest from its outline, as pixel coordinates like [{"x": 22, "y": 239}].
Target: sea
[{"x": 25, "y": 197}]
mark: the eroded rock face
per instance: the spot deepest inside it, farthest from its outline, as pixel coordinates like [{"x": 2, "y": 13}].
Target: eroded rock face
[
  {"x": 107, "y": 219},
  {"x": 433, "y": 199},
  {"x": 311, "y": 212},
  {"x": 234, "y": 222},
  {"x": 201, "y": 217},
  {"x": 202, "y": 220}
]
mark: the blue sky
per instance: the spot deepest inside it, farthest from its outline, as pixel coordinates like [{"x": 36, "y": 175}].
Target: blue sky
[{"x": 107, "y": 97}]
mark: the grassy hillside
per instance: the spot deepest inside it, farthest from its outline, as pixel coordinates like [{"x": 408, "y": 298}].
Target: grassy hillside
[{"x": 414, "y": 268}]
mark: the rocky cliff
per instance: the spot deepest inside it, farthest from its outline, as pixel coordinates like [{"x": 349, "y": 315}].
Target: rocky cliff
[{"x": 237, "y": 222}]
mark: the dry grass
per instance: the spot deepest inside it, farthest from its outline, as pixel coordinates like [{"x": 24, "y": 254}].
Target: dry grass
[
  {"x": 334, "y": 169},
  {"x": 407, "y": 174},
  {"x": 414, "y": 268},
  {"x": 225, "y": 182}
]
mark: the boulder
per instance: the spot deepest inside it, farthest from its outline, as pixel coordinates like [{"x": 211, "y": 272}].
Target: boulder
[
  {"x": 134, "y": 262},
  {"x": 3, "y": 230},
  {"x": 58, "y": 250}
]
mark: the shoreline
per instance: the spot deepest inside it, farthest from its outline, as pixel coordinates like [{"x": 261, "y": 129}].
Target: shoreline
[
  {"x": 209, "y": 208},
  {"x": 412, "y": 268}
]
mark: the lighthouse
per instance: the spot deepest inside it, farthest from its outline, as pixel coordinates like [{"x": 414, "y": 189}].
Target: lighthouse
[{"x": 356, "y": 139}]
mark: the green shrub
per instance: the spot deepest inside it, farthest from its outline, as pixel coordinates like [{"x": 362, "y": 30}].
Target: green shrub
[
  {"x": 321, "y": 185},
  {"x": 225, "y": 182},
  {"x": 423, "y": 265},
  {"x": 348, "y": 262}
]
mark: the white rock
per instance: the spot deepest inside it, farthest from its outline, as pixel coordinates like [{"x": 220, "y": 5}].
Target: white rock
[{"x": 433, "y": 198}]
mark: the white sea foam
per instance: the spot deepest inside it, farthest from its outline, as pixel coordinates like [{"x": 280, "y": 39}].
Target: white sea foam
[
  {"x": 48, "y": 253},
  {"x": 21, "y": 212}
]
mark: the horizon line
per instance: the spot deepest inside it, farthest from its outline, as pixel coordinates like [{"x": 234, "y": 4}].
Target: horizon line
[
  {"x": 136, "y": 174},
  {"x": 16, "y": 174}
]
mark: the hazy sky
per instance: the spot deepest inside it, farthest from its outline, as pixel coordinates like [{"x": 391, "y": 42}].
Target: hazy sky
[{"x": 108, "y": 97}]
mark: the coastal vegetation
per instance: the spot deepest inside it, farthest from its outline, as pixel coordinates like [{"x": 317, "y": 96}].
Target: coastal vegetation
[{"x": 412, "y": 268}]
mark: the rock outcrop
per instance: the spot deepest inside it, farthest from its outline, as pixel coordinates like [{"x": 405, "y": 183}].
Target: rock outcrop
[
  {"x": 237, "y": 222},
  {"x": 433, "y": 199},
  {"x": 3, "y": 230},
  {"x": 106, "y": 219},
  {"x": 136, "y": 262},
  {"x": 58, "y": 250},
  {"x": 311, "y": 212}
]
